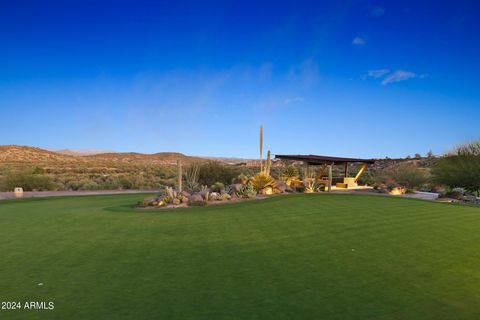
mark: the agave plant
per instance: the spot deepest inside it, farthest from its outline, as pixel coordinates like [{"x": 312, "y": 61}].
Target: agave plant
[
  {"x": 261, "y": 182},
  {"x": 311, "y": 186}
]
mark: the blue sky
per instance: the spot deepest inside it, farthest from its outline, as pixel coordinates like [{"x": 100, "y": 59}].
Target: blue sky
[{"x": 345, "y": 78}]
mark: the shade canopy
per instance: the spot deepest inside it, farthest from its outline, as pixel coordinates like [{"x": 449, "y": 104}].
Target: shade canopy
[{"x": 316, "y": 159}]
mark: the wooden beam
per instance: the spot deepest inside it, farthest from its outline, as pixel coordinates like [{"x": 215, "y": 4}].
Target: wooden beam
[
  {"x": 346, "y": 169},
  {"x": 362, "y": 169}
]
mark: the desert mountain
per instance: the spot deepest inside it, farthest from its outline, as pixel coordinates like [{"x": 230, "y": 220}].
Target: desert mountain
[{"x": 13, "y": 154}]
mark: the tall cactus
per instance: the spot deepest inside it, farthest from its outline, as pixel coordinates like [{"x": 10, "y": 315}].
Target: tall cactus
[
  {"x": 179, "y": 175},
  {"x": 261, "y": 148},
  {"x": 268, "y": 164}
]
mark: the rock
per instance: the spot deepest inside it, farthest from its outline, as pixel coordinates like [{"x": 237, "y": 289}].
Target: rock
[
  {"x": 214, "y": 196},
  {"x": 195, "y": 197},
  {"x": 203, "y": 192},
  {"x": 225, "y": 196},
  {"x": 281, "y": 186},
  {"x": 185, "y": 194},
  {"x": 183, "y": 198},
  {"x": 470, "y": 198},
  {"x": 267, "y": 190}
]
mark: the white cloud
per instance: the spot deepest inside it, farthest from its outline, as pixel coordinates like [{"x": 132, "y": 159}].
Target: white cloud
[
  {"x": 358, "y": 41},
  {"x": 379, "y": 73},
  {"x": 377, "y": 11},
  {"x": 399, "y": 75}
]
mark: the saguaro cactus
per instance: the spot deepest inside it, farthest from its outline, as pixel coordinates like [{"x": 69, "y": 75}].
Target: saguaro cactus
[
  {"x": 179, "y": 175},
  {"x": 268, "y": 164}
]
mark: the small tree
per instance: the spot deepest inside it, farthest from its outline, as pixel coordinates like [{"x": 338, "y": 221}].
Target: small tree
[{"x": 418, "y": 156}]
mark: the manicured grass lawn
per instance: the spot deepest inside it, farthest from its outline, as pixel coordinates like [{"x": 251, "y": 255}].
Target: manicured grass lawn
[{"x": 290, "y": 257}]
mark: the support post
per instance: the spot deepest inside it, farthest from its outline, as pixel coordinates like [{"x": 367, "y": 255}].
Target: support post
[
  {"x": 179, "y": 175},
  {"x": 362, "y": 169},
  {"x": 329, "y": 178},
  {"x": 307, "y": 171},
  {"x": 346, "y": 169}
]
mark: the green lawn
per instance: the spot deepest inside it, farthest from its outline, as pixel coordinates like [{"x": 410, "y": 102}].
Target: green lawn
[{"x": 290, "y": 257}]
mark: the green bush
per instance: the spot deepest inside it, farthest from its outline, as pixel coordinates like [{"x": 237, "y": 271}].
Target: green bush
[
  {"x": 217, "y": 187},
  {"x": 214, "y": 171},
  {"x": 28, "y": 181},
  {"x": 460, "y": 168}
]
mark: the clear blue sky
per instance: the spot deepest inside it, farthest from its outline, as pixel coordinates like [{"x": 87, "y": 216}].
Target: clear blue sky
[{"x": 345, "y": 78}]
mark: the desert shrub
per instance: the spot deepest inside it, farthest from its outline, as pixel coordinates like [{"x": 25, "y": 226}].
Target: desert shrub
[
  {"x": 213, "y": 171},
  {"x": 290, "y": 175},
  {"x": 217, "y": 187},
  {"x": 89, "y": 185},
  {"x": 28, "y": 181},
  {"x": 406, "y": 174},
  {"x": 460, "y": 169}
]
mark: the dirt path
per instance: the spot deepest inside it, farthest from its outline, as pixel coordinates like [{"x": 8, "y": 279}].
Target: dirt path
[{"x": 39, "y": 194}]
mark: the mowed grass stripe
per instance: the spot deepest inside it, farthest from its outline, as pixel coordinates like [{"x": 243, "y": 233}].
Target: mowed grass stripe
[{"x": 288, "y": 257}]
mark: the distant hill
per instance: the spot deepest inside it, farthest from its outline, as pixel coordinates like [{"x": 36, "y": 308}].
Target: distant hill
[
  {"x": 76, "y": 152},
  {"x": 13, "y": 154},
  {"x": 161, "y": 158},
  {"x": 16, "y": 154}
]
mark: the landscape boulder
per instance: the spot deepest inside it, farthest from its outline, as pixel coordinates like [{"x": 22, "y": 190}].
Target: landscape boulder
[
  {"x": 195, "y": 197},
  {"x": 185, "y": 193},
  {"x": 214, "y": 196},
  {"x": 470, "y": 198},
  {"x": 281, "y": 186}
]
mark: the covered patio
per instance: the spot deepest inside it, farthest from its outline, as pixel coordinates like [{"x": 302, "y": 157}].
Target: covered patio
[{"x": 326, "y": 163}]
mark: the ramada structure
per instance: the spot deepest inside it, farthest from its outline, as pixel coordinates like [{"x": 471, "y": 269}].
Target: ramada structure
[{"x": 327, "y": 163}]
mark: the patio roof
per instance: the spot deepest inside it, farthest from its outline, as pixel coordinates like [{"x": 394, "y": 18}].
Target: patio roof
[{"x": 316, "y": 159}]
